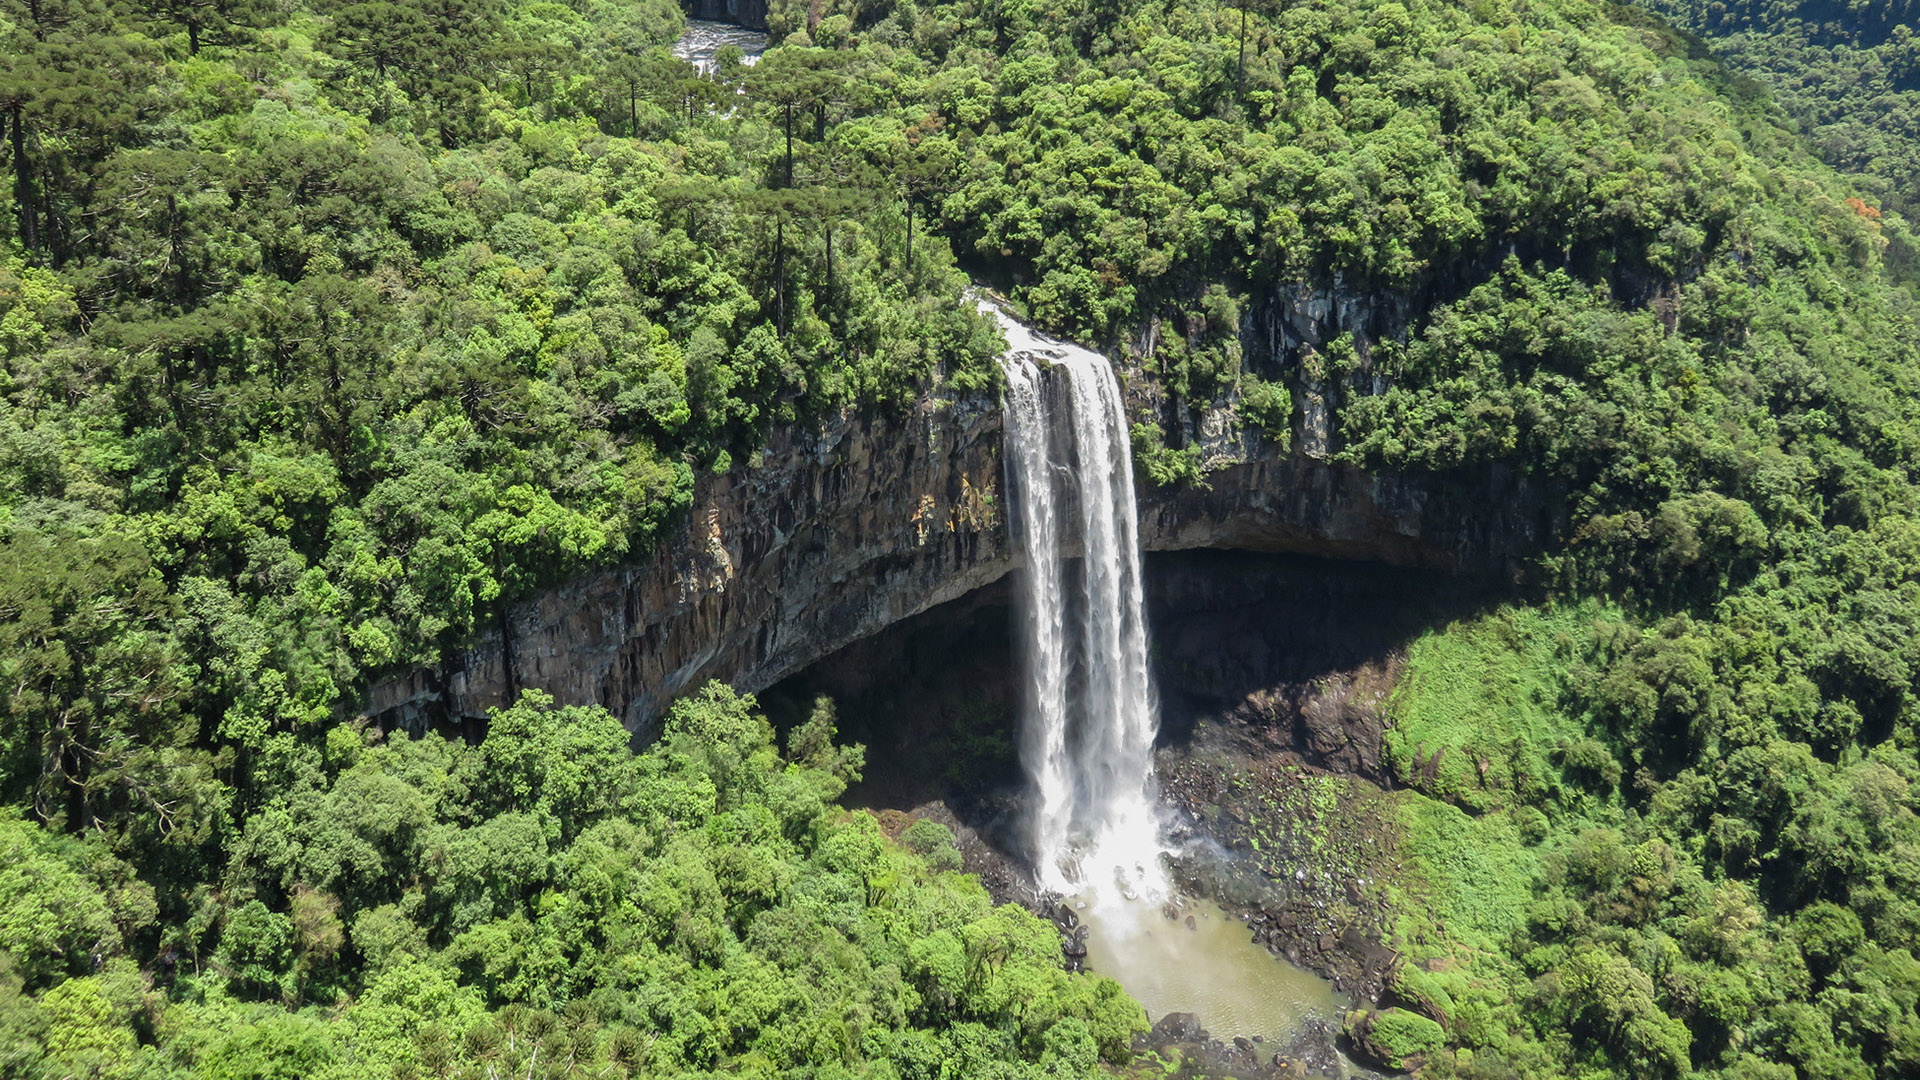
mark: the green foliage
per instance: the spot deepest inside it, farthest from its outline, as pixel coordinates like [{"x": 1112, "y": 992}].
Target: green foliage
[
  {"x": 700, "y": 906},
  {"x": 934, "y": 842},
  {"x": 66, "y": 905},
  {"x": 1475, "y": 874},
  {"x": 276, "y": 1046},
  {"x": 1848, "y": 73},
  {"x": 1655, "y": 919},
  {"x": 1708, "y": 735},
  {"x": 327, "y": 328},
  {"x": 1268, "y": 406},
  {"x": 1162, "y": 465},
  {"x": 383, "y": 315},
  {"x": 1400, "y": 1038},
  {"x": 1477, "y": 717}
]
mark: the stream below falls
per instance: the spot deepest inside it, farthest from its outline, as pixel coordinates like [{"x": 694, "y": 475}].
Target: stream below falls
[{"x": 1203, "y": 962}]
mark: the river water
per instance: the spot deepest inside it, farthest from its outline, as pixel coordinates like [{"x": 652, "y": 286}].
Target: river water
[
  {"x": 1211, "y": 969},
  {"x": 703, "y": 38}
]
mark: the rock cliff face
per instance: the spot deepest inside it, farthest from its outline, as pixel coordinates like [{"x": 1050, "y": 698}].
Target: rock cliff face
[
  {"x": 751, "y": 14},
  {"x": 833, "y": 536},
  {"x": 836, "y": 534}
]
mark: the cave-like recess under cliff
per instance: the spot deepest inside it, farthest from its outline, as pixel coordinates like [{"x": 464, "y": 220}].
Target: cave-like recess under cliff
[{"x": 1274, "y": 642}]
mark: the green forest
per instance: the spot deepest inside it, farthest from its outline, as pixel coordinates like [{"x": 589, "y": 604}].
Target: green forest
[
  {"x": 327, "y": 328},
  {"x": 1847, "y": 73}
]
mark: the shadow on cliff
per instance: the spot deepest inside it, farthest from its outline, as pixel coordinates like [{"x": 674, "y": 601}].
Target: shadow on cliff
[
  {"x": 935, "y": 698},
  {"x": 1295, "y": 651}
]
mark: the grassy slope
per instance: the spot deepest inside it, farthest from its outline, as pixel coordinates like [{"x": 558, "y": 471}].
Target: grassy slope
[{"x": 1486, "y": 688}]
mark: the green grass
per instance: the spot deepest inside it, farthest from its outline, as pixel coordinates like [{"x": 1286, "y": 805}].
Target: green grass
[
  {"x": 1458, "y": 901},
  {"x": 1478, "y": 874},
  {"x": 1482, "y": 695},
  {"x": 1399, "y": 1035},
  {"x": 1484, "y": 689}
]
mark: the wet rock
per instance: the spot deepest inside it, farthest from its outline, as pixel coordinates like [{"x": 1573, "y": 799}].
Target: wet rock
[
  {"x": 1177, "y": 1027},
  {"x": 1191, "y": 925},
  {"x": 1074, "y": 945},
  {"x": 1313, "y": 1047}
]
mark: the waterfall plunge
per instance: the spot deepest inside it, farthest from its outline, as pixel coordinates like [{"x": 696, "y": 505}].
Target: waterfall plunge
[{"x": 1087, "y": 738}]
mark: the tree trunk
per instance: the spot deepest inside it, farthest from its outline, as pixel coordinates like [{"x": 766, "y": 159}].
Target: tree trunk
[
  {"x": 789, "y": 112},
  {"x": 1240, "y": 75},
  {"x": 176, "y": 259},
  {"x": 23, "y": 182}
]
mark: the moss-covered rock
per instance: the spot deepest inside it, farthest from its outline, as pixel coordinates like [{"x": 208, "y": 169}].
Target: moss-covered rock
[
  {"x": 1395, "y": 1038},
  {"x": 1422, "y": 990}
]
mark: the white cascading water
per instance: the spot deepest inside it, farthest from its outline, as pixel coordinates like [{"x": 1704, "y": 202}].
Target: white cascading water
[{"x": 1087, "y": 738}]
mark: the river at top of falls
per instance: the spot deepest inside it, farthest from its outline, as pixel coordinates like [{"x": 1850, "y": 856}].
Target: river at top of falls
[
  {"x": 703, "y": 39},
  {"x": 1090, "y": 715}
]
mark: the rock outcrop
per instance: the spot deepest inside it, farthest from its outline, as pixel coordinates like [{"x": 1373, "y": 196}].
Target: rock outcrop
[
  {"x": 830, "y": 537},
  {"x": 837, "y": 533},
  {"x": 751, "y": 14}
]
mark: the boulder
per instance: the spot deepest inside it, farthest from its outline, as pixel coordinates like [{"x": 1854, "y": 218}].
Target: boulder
[
  {"x": 1177, "y": 1027},
  {"x": 1393, "y": 1038}
]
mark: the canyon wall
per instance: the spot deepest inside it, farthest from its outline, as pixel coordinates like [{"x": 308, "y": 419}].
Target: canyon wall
[
  {"x": 835, "y": 534},
  {"x": 751, "y": 14}
]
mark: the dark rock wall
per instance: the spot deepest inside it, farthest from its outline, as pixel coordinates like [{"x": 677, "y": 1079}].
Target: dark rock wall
[
  {"x": 935, "y": 699},
  {"x": 1480, "y": 525},
  {"x": 751, "y": 14},
  {"x": 1295, "y": 655},
  {"x": 834, "y": 536}
]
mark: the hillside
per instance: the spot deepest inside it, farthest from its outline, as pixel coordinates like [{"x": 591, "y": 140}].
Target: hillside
[
  {"x": 1848, "y": 73},
  {"x": 330, "y": 328}
]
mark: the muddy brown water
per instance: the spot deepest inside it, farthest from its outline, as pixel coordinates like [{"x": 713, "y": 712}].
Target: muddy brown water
[{"x": 1211, "y": 968}]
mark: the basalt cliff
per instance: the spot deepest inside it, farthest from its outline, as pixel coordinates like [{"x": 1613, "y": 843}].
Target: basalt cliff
[{"x": 838, "y": 531}]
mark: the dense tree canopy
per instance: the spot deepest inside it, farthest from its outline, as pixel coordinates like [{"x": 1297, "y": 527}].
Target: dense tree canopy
[
  {"x": 327, "y": 328},
  {"x": 546, "y": 903},
  {"x": 1848, "y": 72}
]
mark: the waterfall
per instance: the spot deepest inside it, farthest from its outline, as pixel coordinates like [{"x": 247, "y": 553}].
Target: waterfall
[{"x": 1087, "y": 736}]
